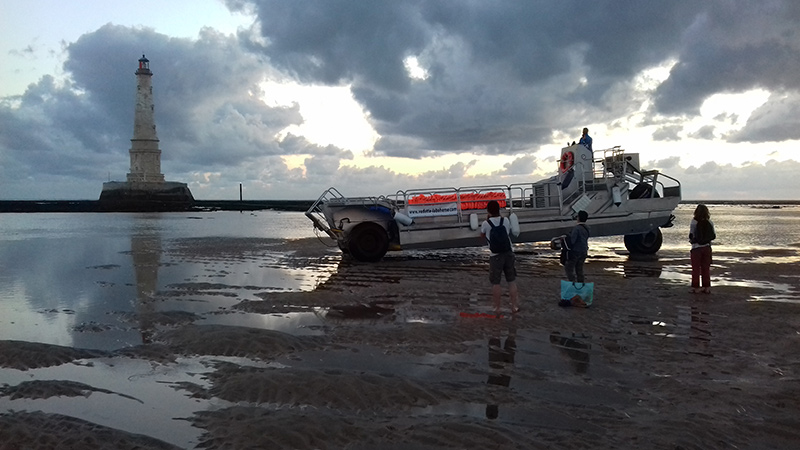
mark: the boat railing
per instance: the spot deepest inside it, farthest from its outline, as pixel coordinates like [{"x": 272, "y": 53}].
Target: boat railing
[
  {"x": 537, "y": 196},
  {"x": 333, "y": 197},
  {"x": 615, "y": 167},
  {"x": 655, "y": 180},
  {"x": 462, "y": 201},
  {"x": 316, "y": 214},
  {"x": 613, "y": 164},
  {"x": 621, "y": 167},
  {"x": 673, "y": 190},
  {"x": 474, "y": 199}
]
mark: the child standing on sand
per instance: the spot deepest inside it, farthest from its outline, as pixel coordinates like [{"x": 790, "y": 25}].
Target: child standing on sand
[
  {"x": 578, "y": 244},
  {"x": 701, "y": 233}
]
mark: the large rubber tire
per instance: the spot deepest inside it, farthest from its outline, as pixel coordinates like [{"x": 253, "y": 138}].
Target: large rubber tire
[
  {"x": 645, "y": 243},
  {"x": 368, "y": 242},
  {"x": 642, "y": 190}
]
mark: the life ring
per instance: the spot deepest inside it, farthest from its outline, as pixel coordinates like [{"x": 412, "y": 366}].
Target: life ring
[{"x": 567, "y": 161}]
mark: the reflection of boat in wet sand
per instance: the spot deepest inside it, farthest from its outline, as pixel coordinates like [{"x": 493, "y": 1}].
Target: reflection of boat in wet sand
[
  {"x": 369, "y": 310},
  {"x": 620, "y": 197}
]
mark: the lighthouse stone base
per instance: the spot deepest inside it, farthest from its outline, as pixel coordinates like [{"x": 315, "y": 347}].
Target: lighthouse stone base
[{"x": 145, "y": 196}]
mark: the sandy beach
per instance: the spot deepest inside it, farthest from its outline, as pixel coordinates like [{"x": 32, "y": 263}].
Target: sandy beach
[{"x": 398, "y": 357}]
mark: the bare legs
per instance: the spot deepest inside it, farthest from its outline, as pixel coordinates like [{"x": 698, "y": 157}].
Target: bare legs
[
  {"x": 497, "y": 293},
  {"x": 499, "y": 265},
  {"x": 512, "y": 292}
]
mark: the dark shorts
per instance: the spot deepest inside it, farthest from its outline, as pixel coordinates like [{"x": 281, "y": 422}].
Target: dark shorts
[{"x": 504, "y": 263}]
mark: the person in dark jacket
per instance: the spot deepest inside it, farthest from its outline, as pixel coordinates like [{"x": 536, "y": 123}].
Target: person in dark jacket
[
  {"x": 700, "y": 255},
  {"x": 578, "y": 244}
]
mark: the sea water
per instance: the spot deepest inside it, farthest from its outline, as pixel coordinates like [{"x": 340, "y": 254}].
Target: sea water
[
  {"x": 65, "y": 275},
  {"x": 738, "y": 227},
  {"x": 55, "y": 226},
  {"x": 79, "y": 279}
]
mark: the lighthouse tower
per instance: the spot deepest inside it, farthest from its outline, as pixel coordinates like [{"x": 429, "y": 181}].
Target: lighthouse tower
[
  {"x": 145, "y": 154},
  {"x": 145, "y": 188}
]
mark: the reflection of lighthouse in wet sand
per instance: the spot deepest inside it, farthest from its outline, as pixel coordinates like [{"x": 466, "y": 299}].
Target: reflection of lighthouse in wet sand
[
  {"x": 146, "y": 252},
  {"x": 145, "y": 188}
]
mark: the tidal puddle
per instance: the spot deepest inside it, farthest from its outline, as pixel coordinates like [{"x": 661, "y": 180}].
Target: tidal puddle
[
  {"x": 295, "y": 323},
  {"x": 776, "y": 298},
  {"x": 140, "y": 398}
]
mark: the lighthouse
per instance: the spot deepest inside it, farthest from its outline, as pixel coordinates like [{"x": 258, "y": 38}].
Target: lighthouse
[
  {"x": 145, "y": 188},
  {"x": 144, "y": 152}
]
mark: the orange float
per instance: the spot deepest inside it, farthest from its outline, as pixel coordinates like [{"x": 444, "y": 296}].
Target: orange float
[{"x": 468, "y": 201}]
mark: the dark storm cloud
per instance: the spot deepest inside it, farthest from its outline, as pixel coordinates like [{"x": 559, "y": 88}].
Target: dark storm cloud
[
  {"x": 47, "y": 132},
  {"x": 733, "y": 46},
  {"x": 209, "y": 112},
  {"x": 500, "y": 78},
  {"x": 503, "y": 75},
  {"x": 336, "y": 41},
  {"x": 206, "y": 91}
]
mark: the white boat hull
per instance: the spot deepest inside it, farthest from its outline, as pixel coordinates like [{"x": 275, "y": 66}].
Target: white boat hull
[{"x": 619, "y": 198}]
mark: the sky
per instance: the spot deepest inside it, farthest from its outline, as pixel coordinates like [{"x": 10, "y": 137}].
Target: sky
[{"x": 289, "y": 98}]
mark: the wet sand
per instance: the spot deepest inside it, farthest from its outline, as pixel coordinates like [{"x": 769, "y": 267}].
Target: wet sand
[{"x": 391, "y": 362}]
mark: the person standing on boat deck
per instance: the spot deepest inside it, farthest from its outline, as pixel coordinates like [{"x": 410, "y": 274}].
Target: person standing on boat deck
[
  {"x": 586, "y": 140},
  {"x": 578, "y": 244},
  {"x": 500, "y": 263},
  {"x": 701, "y": 251}
]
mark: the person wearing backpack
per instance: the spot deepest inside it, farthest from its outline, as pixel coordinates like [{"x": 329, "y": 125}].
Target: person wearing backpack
[
  {"x": 701, "y": 233},
  {"x": 496, "y": 230},
  {"x": 577, "y": 243}
]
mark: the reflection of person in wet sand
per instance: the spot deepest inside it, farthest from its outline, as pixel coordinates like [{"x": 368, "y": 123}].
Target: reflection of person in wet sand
[
  {"x": 501, "y": 360},
  {"x": 576, "y": 351}
]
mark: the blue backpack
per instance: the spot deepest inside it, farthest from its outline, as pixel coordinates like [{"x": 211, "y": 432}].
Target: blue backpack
[{"x": 498, "y": 238}]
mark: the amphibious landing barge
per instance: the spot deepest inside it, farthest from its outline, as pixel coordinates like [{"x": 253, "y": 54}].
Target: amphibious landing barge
[{"x": 620, "y": 197}]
